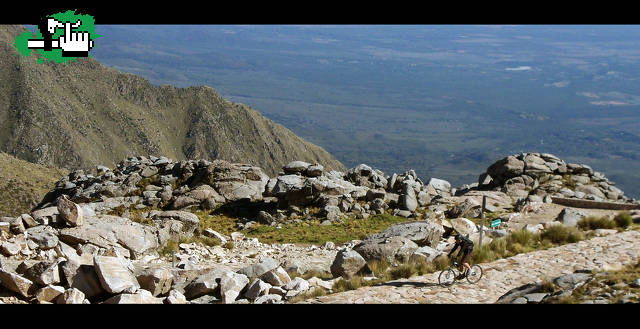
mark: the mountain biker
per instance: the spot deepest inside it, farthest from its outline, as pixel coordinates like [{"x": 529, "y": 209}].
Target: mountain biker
[{"x": 466, "y": 250}]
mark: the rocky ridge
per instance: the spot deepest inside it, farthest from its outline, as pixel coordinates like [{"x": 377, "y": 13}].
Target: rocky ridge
[{"x": 82, "y": 229}]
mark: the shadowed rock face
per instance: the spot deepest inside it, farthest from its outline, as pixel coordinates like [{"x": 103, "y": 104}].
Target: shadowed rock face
[{"x": 96, "y": 115}]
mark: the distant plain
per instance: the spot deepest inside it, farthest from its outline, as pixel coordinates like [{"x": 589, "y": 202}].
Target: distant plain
[{"x": 446, "y": 101}]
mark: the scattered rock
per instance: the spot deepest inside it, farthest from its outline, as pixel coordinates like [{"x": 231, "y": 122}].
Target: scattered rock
[
  {"x": 69, "y": 212},
  {"x": 392, "y": 249},
  {"x": 570, "y": 216},
  {"x": 114, "y": 276},
  {"x": 347, "y": 263}
]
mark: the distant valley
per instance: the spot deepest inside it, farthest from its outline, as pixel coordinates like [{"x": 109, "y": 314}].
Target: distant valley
[
  {"x": 82, "y": 114},
  {"x": 444, "y": 100}
]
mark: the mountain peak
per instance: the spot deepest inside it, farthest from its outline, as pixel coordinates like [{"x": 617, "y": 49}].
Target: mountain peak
[{"x": 82, "y": 113}]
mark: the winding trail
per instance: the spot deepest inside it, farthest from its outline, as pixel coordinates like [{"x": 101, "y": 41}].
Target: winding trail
[{"x": 599, "y": 253}]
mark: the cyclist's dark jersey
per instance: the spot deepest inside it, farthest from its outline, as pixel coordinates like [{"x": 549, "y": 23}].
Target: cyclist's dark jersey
[{"x": 466, "y": 246}]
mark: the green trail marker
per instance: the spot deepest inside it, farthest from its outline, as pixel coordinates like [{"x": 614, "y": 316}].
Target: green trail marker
[{"x": 60, "y": 38}]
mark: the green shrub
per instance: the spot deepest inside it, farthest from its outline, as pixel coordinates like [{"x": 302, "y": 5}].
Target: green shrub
[
  {"x": 402, "y": 271},
  {"x": 352, "y": 283},
  {"x": 559, "y": 234},
  {"x": 484, "y": 254},
  {"x": 378, "y": 267},
  {"x": 312, "y": 293},
  {"x": 623, "y": 219},
  {"x": 547, "y": 285},
  {"x": 441, "y": 263},
  {"x": 521, "y": 237},
  {"x": 593, "y": 223},
  {"x": 310, "y": 274}
]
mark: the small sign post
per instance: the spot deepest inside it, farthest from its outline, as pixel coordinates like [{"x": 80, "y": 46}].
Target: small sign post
[
  {"x": 496, "y": 222},
  {"x": 484, "y": 203}
]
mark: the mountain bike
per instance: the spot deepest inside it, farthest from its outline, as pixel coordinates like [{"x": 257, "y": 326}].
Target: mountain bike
[{"x": 450, "y": 275}]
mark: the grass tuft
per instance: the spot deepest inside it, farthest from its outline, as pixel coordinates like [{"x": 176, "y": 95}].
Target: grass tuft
[
  {"x": 594, "y": 223},
  {"x": 623, "y": 219},
  {"x": 561, "y": 234}
]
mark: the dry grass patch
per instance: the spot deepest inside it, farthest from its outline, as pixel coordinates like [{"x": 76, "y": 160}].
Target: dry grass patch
[{"x": 23, "y": 184}]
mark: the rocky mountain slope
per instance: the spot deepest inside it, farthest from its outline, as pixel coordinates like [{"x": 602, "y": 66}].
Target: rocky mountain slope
[
  {"x": 102, "y": 236},
  {"x": 84, "y": 114}
]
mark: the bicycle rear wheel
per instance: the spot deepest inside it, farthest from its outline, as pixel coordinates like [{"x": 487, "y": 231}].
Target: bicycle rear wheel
[
  {"x": 474, "y": 274},
  {"x": 447, "y": 277}
]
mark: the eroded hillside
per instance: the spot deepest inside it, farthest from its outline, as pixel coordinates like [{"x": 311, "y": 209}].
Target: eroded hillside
[{"x": 82, "y": 114}]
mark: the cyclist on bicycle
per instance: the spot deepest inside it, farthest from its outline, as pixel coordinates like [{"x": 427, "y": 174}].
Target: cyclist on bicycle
[{"x": 466, "y": 250}]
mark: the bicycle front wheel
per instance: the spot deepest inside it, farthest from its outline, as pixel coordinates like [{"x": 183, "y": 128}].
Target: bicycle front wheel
[
  {"x": 474, "y": 274},
  {"x": 447, "y": 277}
]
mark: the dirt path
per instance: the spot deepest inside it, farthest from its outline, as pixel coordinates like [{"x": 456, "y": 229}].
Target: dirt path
[{"x": 600, "y": 253}]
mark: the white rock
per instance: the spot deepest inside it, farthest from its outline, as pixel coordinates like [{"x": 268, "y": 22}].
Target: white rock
[
  {"x": 71, "y": 296},
  {"x": 114, "y": 276},
  {"x": 257, "y": 288},
  {"x": 268, "y": 299},
  {"x": 231, "y": 284},
  {"x": 49, "y": 293},
  {"x": 176, "y": 297},
  {"x": 298, "y": 284},
  {"x": 140, "y": 297},
  {"x": 17, "y": 283},
  {"x": 276, "y": 277}
]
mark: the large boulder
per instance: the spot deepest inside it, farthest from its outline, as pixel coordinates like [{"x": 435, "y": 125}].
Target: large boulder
[
  {"x": 294, "y": 167},
  {"x": 156, "y": 280},
  {"x": 128, "y": 237},
  {"x": 408, "y": 200},
  {"x": 505, "y": 168},
  {"x": 46, "y": 237},
  {"x": 205, "y": 284},
  {"x": 190, "y": 222},
  {"x": 69, "y": 212},
  {"x": 114, "y": 276},
  {"x": 49, "y": 293},
  {"x": 71, "y": 296},
  {"x": 257, "y": 270},
  {"x": 364, "y": 175},
  {"x": 82, "y": 277},
  {"x": 44, "y": 273},
  {"x": 464, "y": 226},
  {"x": 347, "y": 263},
  {"x": 139, "y": 297},
  {"x": 422, "y": 233},
  {"x": 296, "y": 190},
  {"x": 426, "y": 254},
  {"x": 231, "y": 285},
  {"x": 591, "y": 189},
  {"x": 236, "y": 181},
  {"x": 570, "y": 216},
  {"x": 469, "y": 206},
  {"x": 17, "y": 283},
  {"x": 276, "y": 277},
  {"x": 392, "y": 249},
  {"x": 440, "y": 185}
]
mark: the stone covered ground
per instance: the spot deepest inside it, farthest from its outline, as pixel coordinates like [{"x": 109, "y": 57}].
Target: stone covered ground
[
  {"x": 100, "y": 238},
  {"x": 610, "y": 252}
]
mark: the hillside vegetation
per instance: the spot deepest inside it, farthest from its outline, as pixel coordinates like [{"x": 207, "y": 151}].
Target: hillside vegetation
[
  {"x": 23, "y": 184},
  {"x": 83, "y": 114}
]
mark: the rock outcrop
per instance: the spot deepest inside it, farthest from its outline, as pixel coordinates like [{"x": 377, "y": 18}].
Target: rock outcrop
[
  {"x": 96, "y": 238},
  {"x": 536, "y": 175}
]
